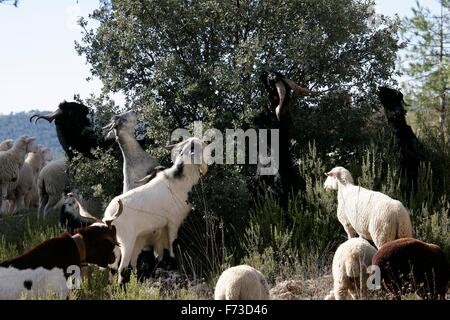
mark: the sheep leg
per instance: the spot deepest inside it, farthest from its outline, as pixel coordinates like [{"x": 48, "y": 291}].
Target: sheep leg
[
  {"x": 43, "y": 199},
  {"x": 52, "y": 201},
  {"x": 3, "y": 195},
  {"x": 351, "y": 233},
  {"x": 19, "y": 203},
  {"x": 12, "y": 206}
]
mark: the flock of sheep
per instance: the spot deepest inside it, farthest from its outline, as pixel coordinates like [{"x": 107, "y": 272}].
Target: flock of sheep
[{"x": 154, "y": 204}]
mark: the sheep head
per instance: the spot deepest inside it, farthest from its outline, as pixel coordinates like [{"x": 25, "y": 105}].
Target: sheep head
[
  {"x": 124, "y": 121},
  {"x": 336, "y": 176}
]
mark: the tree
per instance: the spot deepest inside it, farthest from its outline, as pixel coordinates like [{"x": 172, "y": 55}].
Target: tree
[
  {"x": 183, "y": 60},
  {"x": 12, "y": 2},
  {"x": 427, "y": 60}
]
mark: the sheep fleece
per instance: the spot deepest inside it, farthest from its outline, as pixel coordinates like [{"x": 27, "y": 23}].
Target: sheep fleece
[
  {"x": 241, "y": 283},
  {"x": 349, "y": 269},
  {"x": 373, "y": 215}
]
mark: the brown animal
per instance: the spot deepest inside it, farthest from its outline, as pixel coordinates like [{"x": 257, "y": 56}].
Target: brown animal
[
  {"x": 93, "y": 244},
  {"x": 411, "y": 261}
]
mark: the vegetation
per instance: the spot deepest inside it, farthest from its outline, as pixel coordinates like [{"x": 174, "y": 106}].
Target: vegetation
[{"x": 181, "y": 61}]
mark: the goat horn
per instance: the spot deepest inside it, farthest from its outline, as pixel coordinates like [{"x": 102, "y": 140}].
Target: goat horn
[
  {"x": 170, "y": 146},
  {"x": 49, "y": 117},
  {"x": 297, "y": 88},
  {"x": 147, "y": 178}
]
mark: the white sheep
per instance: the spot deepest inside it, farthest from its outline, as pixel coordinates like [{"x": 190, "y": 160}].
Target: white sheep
[
  {"x": 6, "y": 144},
  {"x": 369, "y": 214},
  {"x": 350, "y": 264},
  {"x": 241, "y": 283},
  {"x": 21, "y": 192},
  {"x": 11, "y": 161},
  {"x": 32, "y": 283},
  {"x": 37, "y": 161},
  {"x": 52, "y": 181},
  {"x": 160, "y": 203}
]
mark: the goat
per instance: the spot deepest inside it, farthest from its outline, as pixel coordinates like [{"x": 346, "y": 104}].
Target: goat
[
  {"x": 90, "y": 245},
  {"x": 287, "y": 179},
  {"x": 160, "y": 204}
]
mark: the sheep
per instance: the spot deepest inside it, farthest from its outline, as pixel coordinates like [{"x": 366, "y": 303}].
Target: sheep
[
  {"x": 160, "y": 203},
  {"x": 37, "y": 162},
  {"x": 369, "y": 214},
  {"x": 136, "y": 162},
  {"x": 11, "y": 161},
  {"x": 349, "y": 269},
  {"x": 89, "y": 245},
  {"x": 22, "y": 192},
  {"x": 6, "y": 144},
  {"x": 73, "y": 215},
  {"x": 241, "y": 283},
  {"x": 52, "y": 181},
  {"x": 412, "y": 261}
]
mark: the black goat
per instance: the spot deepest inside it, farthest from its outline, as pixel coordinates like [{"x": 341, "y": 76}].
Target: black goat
[
  {"x": 411, "y": 152},
  {"x": 287, "y": 180},
  {"x": 73, "y": 215},
  {"x": 74, "y": 129}
]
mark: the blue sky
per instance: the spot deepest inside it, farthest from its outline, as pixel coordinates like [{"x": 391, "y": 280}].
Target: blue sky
[{"x": 38, "y": 64}]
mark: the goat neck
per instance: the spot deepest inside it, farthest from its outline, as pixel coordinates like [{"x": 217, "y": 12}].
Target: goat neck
[{"x": 133, "y": 156}]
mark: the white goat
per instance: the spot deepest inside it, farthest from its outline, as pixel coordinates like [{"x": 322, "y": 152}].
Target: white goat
[
  {"x": 136, "y": 162},
  {"x": 11, "y": 161},
  {"x": 369, "y": 214},
  {"x": 161, "y": 203},
  {"x": 136, "y": 165}
]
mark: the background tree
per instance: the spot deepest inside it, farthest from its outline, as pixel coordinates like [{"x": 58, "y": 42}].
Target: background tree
[
  {"x": 179, "y": 61},
  {"x": 427, "y": 62},
  {"x": 12, "y": 2}
]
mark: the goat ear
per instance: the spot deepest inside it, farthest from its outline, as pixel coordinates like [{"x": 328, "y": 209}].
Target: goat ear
[{"x": 147, "y": 178}]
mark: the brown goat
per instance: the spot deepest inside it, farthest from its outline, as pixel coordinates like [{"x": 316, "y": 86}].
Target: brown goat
[
  {"x": 422, "y": 265},
  {"x": 93, "y": 244}
]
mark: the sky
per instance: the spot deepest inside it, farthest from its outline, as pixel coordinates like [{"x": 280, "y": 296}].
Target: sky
[{"x": 39, "y": 66}]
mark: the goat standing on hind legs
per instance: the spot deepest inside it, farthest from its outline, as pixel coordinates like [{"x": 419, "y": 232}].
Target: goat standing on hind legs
[{"x": 286, "y": 180}]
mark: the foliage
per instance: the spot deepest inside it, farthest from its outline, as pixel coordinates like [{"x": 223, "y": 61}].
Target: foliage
[{"x": 427, "y": 63}]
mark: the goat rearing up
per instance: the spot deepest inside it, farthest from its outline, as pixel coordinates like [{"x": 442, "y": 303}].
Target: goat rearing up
[{"x": 160, "y": 203}]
